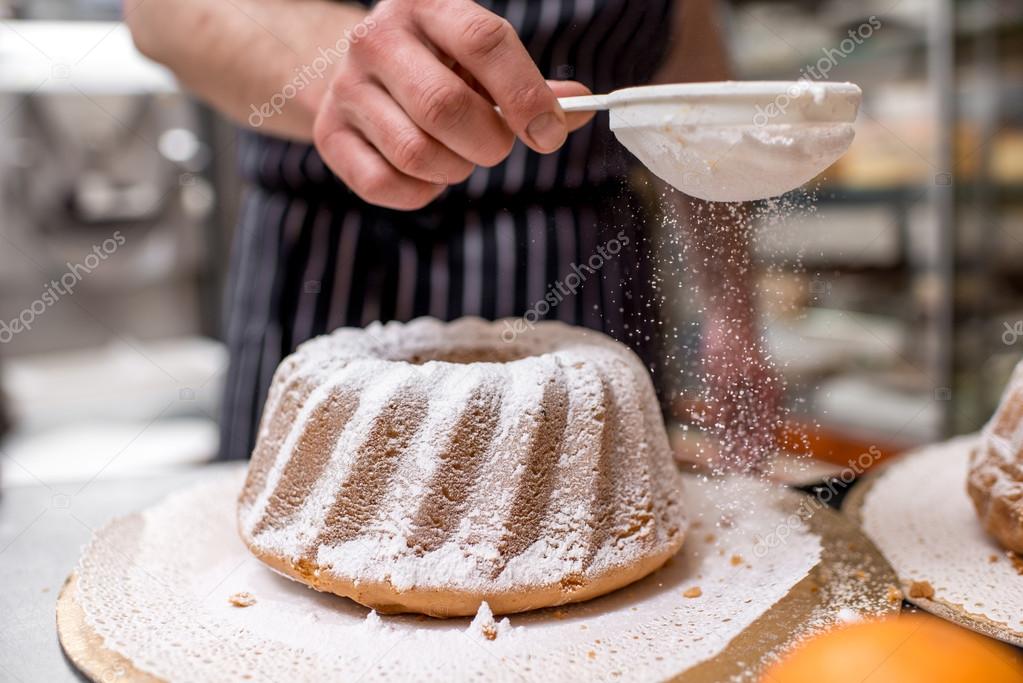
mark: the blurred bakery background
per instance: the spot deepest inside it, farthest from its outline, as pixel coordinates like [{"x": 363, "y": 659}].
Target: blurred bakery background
[{"x": 893, "y": 300}]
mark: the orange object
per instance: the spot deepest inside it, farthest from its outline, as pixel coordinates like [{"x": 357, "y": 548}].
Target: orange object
[
  {"x": 907, "y": 649},
  {"x": 822, "y": 443}
]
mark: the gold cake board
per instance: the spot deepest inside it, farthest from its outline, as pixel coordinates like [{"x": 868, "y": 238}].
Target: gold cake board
[
  {"x": 84, "y": 647},
  {"x": 848, "y": 559}
]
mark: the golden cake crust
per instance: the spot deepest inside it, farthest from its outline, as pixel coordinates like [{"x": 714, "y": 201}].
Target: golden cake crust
[
  {"x": 427, "y": 467},
  {"x": 995, "y": 482},
  {"x": 385, "y": 598}
]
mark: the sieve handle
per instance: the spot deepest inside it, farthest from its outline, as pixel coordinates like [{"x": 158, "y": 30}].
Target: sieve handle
[
  {"x": 581, "y": 103},
  {"x": 585, "y": 103}
]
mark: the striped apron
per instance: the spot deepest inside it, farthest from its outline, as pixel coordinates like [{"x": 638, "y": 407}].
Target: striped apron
[{"x": 556, "y": 236}]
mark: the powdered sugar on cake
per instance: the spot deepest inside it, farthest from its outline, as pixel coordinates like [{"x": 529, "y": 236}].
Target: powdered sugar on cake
[{"x": 545, "y": 467}]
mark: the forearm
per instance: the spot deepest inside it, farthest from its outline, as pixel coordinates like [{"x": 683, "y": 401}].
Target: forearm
[{"x": 263, "y": 63}]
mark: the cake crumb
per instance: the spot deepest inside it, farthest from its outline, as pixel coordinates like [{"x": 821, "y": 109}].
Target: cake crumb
[
  {"x": 736, "y": 560},
  {"x": 992, "y": 558},
  {"x": 710, "y": 538},
  {"x": 591, "y": 654},
  {"x": 894, "y": 595},
  {"x": 559, "y": 614},
  {"x": 242, "y": 600},
  {"x": 484, "y": 624},
  {"x": 860, "y": 574},
  {"x": 921, "y": 589},
  {"x": 1017, "y": 561},
  {"x": 693, "y": 592}
]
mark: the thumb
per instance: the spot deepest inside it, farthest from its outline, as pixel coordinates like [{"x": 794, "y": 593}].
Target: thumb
[{"x": 578, "y": 119}]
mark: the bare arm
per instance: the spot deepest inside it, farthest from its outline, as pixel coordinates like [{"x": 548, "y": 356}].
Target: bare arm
[
  {"x": 240, "y": 54},
  {"x": 400, "y": 102}
]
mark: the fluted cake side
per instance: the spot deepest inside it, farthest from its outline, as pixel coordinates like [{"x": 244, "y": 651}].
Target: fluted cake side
[
  {"x": 995, "y": 482},
  {"x": 429, "y": 466}
]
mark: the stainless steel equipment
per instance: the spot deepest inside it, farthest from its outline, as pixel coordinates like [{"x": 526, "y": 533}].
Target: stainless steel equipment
[{"x": 106, "y": 197}]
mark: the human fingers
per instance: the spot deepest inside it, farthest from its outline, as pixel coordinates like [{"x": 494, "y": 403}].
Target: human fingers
[{"x": 487, "y": 46}]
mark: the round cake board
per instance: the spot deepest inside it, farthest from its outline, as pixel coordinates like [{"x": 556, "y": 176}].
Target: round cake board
[
  {"x": 917, "y": 512},
  {"x": 84, "y": 647},
  {"x": 850, "y": 579}
]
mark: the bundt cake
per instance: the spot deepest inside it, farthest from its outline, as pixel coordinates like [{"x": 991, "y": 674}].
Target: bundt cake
[
  {"x": 428, "y": 466},
  {"x": 996, "y": 469}
]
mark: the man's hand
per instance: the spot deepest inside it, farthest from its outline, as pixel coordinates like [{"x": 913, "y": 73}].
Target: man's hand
[{"x": 411, "y": 108}]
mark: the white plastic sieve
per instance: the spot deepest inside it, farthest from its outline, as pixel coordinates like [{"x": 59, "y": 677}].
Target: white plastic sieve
[{"x": 732, "y": 141}]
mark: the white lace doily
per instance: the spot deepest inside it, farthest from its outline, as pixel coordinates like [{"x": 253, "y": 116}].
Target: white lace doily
[
  {"x": 920, "y": 517},
  {"x": 157, "y": 587}
]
